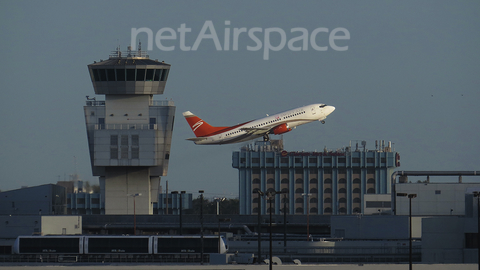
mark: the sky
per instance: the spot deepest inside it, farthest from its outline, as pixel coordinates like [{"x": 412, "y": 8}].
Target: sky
[{"x": 407, "y": 72}]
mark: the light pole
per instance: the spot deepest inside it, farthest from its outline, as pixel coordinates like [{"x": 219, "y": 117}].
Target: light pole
[
  {"x": 270, "y": 195},
  {"x": 201, "y": 225},
  {"x": 134, "y": 214},
  {"x": 259, "y": 207},
  {"x": 285, "y": 222},
  {"x": 218, "y": 200},
  {"x": 410, "y": 197},
  {"x": 308, "y": 213},
  {"x": 477, "y": 194},
  {"x": 181, "y": 209}
]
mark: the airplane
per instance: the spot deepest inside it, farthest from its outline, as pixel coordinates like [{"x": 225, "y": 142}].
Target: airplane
[{"x": 275, "y": 124}]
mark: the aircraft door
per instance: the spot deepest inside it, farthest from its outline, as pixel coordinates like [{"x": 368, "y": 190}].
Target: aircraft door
[{"x": 313, "y": 110}]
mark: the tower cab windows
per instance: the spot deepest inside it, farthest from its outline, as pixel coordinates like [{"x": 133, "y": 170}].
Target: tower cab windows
[{"x": 129, "y": 74}]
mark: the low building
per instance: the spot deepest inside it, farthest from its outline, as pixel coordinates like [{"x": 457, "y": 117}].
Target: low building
[{"x": 46, "y": 199}]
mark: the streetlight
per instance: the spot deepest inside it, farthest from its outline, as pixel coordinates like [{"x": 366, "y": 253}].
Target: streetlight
[
  {"x": 308, "y": 213},
  {"x": 259, "y": 207},
  {"x": 218, "y": 200},
  {"x": 285, "y": 222},
  {"x": 134, "y": 215},
  {"x": 270, "y": 195},
  {"x": 201, "y": 224},
  {"x": 181, "y": 208},
  {"x": 410, "y": 197},
  {"x": 477, "y": 194}
]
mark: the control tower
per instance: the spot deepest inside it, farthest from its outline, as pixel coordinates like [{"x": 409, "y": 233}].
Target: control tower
[{"x": 129, "y": 133}]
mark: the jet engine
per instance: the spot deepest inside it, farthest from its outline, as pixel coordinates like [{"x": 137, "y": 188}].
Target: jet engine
[{"x": 283, "y": 128}]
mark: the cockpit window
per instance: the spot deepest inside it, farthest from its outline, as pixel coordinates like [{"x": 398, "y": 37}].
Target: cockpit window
[{"x": 323, "y": 105}]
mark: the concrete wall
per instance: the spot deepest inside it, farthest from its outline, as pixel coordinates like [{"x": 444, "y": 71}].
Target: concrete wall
[
  {"x": 61, "y": 225},
  {"x": 374, "y": 227},
  {"x": 433, "y": 199},
  {"x": 443, "y": 240}
]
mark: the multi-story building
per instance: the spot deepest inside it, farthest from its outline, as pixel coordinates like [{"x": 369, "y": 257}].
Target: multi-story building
[
  {"x": 319, "y": 183},
  {"x": 129, "y": 133}
]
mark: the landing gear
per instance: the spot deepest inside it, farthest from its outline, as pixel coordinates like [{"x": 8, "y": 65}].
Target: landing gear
[
  {"x": 323, "y": 121},
  {"x": 266, "y": 138}
]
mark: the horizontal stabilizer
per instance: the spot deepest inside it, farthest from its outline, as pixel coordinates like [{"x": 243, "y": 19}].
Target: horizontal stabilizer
[{"x": 197, "y": 139}]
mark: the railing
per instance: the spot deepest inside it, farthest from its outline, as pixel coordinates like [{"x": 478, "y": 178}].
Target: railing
[
  {"x": 151, "y": 103},
  {"x": 95, "y": 103},
  {"x": 126, "y": 126},
  {"x": 161, "y": 103}
]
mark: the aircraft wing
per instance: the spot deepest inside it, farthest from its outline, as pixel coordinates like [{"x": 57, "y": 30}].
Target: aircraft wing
[{"x": 256, "y": 131}]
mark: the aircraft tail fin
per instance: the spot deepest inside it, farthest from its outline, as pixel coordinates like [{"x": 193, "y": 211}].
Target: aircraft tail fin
[{"x": 200, "y": 127}]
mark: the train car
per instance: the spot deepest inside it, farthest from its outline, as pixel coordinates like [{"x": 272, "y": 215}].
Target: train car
[
  {"x": 188, "y": 244},
  {"x": 59, "y": 244},
  {"x": 118, "y": 244}
]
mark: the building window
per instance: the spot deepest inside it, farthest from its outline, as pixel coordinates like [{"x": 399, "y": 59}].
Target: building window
[
  {"x": 342, "y": 200},
  {"x": 298, "y": 160},
  {"x": 255, "y": 160},
  {"x": 371, "y": 191},
  {"x": 313, "y": 200},
  {"x": 113, "y": 140},
  {"x": 299, "y": 190},
  {"x": 313, "y": 181},
  {"x": 256, "y": 181},
  {"x": 327, "y": 200},
  {"x": 284, "y": 181},
  {"x": 271, "y": 181},
  {"x": 327, "y": 160},
  {"x": 120, "y": 74},
  {"x": 284, "y": 160},
  {"x": 312, "y": 160},
  {"x": 327, "y": 181},
  {"x": 371, "y": 181},
  {"x": 328, "y": 190},
  {"x": 357, "y": 181},
  {"x": 356, "y": 160},
  {"x": 269, "y": 160},
  {"x": 357, "y": 200},
  {"x": 299, "y": 181},
  {"x": 113, "y": 153},
  {"x": 342, "y": 190},
  {"x": 136, "y": 153},
  {"x": 356, "y": 190},
  {"x": 313, "y": 191},
  {"x": 135, "y": 140},
  {"x": 342, "y": 181},
  {"x": 328, "y": 210},
  {"x": 123, "y": 152},
  {"x": 299, "y": 210},
  {"x": 437, "y": 192}
]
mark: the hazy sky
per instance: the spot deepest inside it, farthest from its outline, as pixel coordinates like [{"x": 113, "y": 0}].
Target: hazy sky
[{"x": 411, "y": 75}]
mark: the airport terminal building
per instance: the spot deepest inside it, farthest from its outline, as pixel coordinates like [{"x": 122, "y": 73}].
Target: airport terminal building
[{"x": 316, "y": 183}]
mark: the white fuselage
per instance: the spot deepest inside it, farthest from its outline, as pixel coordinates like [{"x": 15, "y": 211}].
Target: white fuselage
[{"x": 293, "y": 118}]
